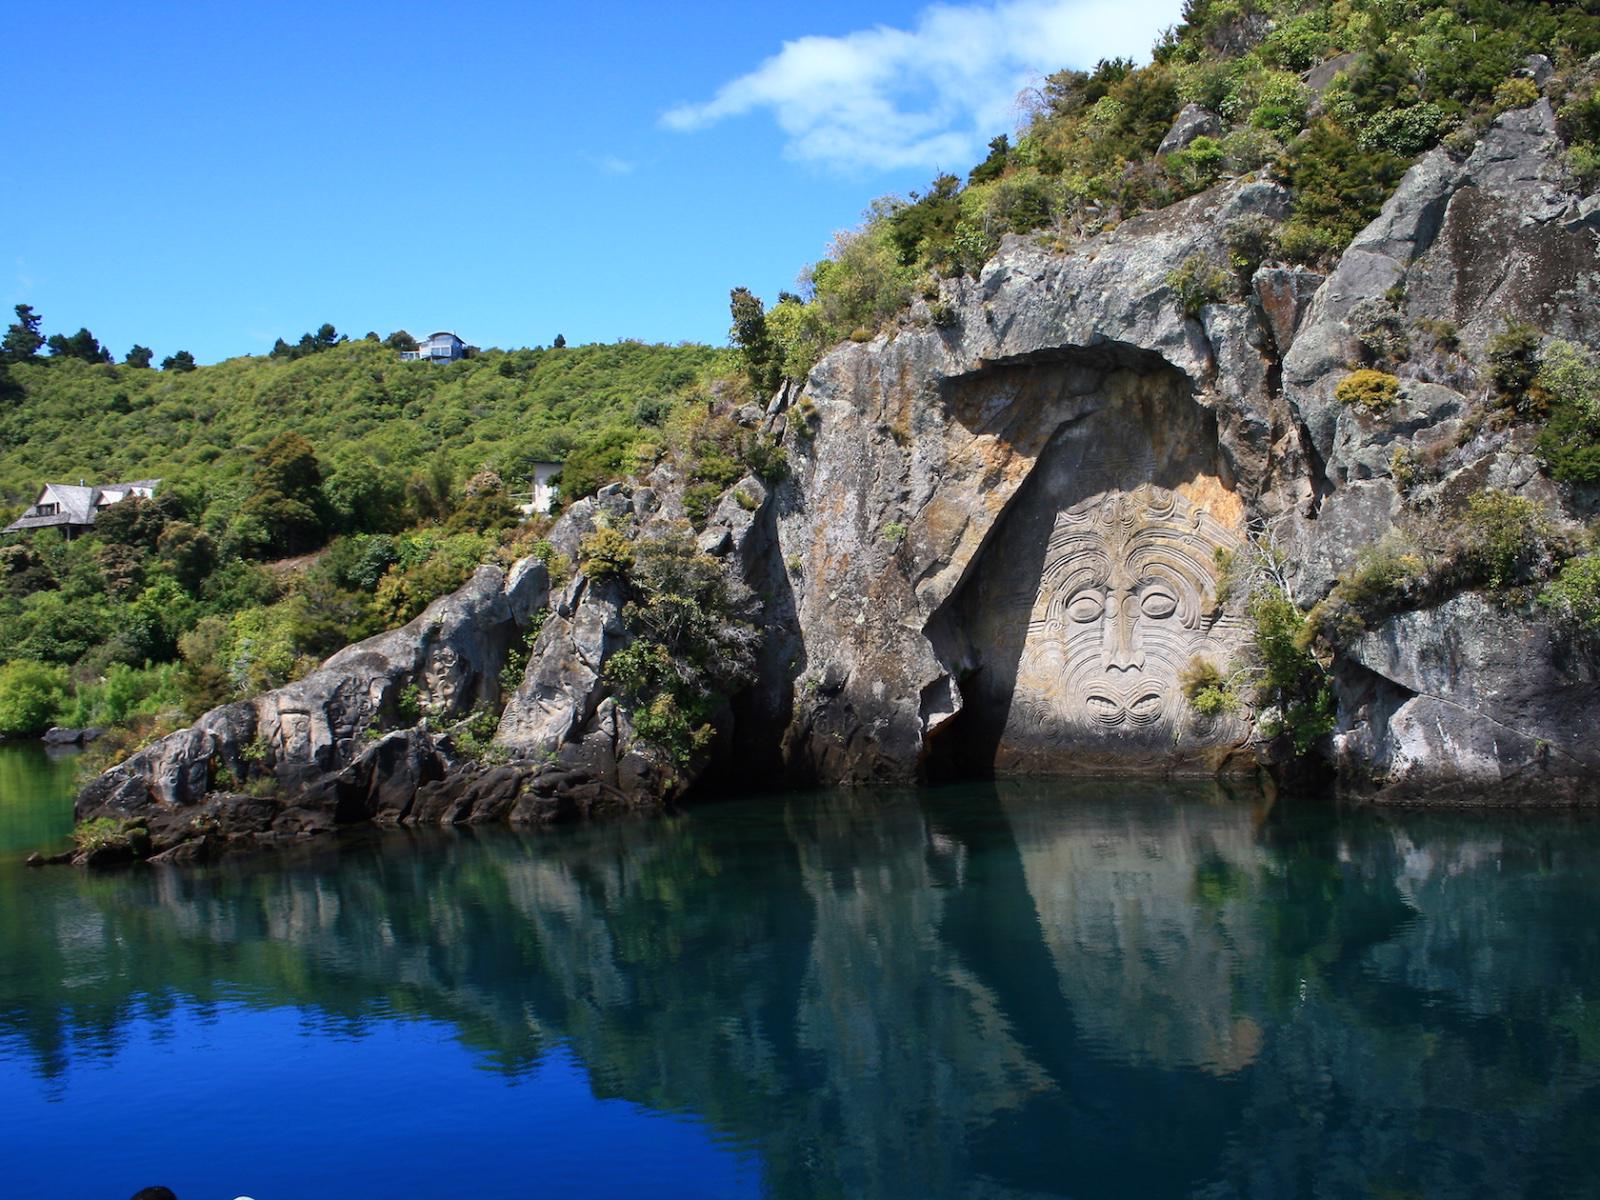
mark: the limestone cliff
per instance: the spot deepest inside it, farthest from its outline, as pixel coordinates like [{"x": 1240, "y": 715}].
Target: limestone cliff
[{"x": 1006, "y": 537}]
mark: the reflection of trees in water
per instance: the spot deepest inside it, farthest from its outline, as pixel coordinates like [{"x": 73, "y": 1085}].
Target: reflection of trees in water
[
  {"x": 35, "y": 796},
  {"x": 1045, "y": 987}
]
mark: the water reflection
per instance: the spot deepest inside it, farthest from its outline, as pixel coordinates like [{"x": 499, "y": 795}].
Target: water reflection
[{"x": 1091, "y": 990}]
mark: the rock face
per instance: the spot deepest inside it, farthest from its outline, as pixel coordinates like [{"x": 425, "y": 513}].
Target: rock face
[
  {"x": 1010, "y": 521},
  {"x": 1001, "y": 545},
  {"x": 310, "y": 746},
  {"x": 1453, "y": 703},
  {"x": 999, "y": 510},
  {"x": 1192, "y": 122}
]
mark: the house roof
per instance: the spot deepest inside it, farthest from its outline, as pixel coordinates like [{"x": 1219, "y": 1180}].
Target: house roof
[
  {"x": 441, "y": 333},
  {"x": 125, "y": 488},
  {"x": 77, "y": 501}
]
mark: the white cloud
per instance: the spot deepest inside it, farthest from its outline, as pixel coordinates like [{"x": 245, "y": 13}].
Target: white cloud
[
  {"x": 610, "y": 164},
  {"x": 930, "y": 96}
]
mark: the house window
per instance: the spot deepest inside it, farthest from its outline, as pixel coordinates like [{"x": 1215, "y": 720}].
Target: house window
[{"x": 49, "y": 510}]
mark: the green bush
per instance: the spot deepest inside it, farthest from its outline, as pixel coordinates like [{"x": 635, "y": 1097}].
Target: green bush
[
  {"x": 102, "y": 834},
  {"x": 1339, "y": 186},
  {"x": 1251, "y": 241},
  {"x": 1197, "y": 166},
  {"x": 1197, "y": 283},
  {"x": 1208, "y": 693},
  {"x": 1508, "y": 538},
  {"x": 1517, "y": 92},
  {"x": 1385, "y": 579},
  {"x": 125, "y": 693},
  {"x": 1293, "y": 685},
  {"x": 1584, "y": 162},
  {"x": 1570, "y": 443},
  {"x": 1247, "y": 149},
  {"x": 1370, "y": 391},
  {"x": 765, "y": 457},
  {"x": 32, "y": 695},
  {"x": 1513, "y": 358},
  {"x": 606, "y": 554},
  {"x": 692, "y": 646},
  {"x": 1297, "y": 44},
  {"x": 862, "y": 282},
  {"x": 1275, "y": 101},
  {"x": 1575, "y": 593}
]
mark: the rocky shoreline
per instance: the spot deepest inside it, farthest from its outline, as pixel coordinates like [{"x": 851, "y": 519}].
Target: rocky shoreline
[{"x": 1005, "y": 539}]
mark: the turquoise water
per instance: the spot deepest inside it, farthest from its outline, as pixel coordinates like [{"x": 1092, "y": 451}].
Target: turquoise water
[{"x": 1087, "y": 990}]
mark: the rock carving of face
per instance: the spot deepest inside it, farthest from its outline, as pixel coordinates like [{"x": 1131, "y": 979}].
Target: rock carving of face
[{"x": 1129, "y": 599}]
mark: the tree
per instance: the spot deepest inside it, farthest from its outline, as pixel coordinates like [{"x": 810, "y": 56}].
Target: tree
[
  {"x": 188, "y": 552},
  {"x": 82, "y": 344},
  {"x": 133, "y": 522},
  {"x": 749, "y": 333},
  {"x": 139, "y": 357},
  {"x": 31, "y": 696},
  {"x": 993, "y": 166},
  {"x": 400, "y": 340},
  {"x": 181, "y": 361},
  {"x": 560, "y": 342},
  {"x": 23, "y": 339},
  {"x": 284, "y": 512}
]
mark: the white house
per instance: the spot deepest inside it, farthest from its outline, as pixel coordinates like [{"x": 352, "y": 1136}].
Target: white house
[
  {"x": 73, "y": 507},
  {"x": 443, "y": 346},
  {"x": 542, "y": 496}
]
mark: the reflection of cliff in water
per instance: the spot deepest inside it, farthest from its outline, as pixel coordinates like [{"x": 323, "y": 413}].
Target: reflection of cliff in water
[
  {"x": 1134, "y": 992},
  {"x": 1146, "y": 915}
]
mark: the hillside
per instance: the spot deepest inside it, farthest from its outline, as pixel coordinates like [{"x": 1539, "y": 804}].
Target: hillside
[
  {"x": 388, "y": 481},
  {"x": 364, "y": 412}
]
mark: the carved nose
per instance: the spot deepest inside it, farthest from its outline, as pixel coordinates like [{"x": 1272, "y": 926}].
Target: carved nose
[{"x": 1122, "y": 650}]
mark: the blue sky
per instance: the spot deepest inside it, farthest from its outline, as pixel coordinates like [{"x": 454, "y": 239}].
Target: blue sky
[{"x": 212, "y": 176}]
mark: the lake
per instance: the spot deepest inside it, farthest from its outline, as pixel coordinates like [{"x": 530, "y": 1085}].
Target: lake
[{"x": 1086, "y": 989}]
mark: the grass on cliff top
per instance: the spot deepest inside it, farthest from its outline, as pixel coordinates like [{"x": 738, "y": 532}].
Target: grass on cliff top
[{"x": 1085, "y": 157}]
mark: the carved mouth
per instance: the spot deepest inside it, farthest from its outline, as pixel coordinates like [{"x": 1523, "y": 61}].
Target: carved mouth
[{"x": 1111, "y": 711}]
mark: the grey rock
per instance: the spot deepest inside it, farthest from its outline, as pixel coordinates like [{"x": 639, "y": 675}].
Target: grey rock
[
  {"x": 1321, "y": 76},
  {"x": 304, "y": 733},
  {"x": 1349, "y": 520},
  {"x": 1284, "y": 294},
  {"x": 563, "y": 687},
  {"x": 1192, "y": 122},
  {"x": 1495, "y": 708}
]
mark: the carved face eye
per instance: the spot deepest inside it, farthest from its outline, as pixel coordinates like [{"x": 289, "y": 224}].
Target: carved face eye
[
  {"x": 1086, "y": 608},
  {"x": 1158, "y": 603}
]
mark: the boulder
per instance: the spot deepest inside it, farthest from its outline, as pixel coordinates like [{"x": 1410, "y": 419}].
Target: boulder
[
  {"x": 299, "y": 738},
  {"x": 1192, "y": 122},
  {"x": 1481, "y": 704}
]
